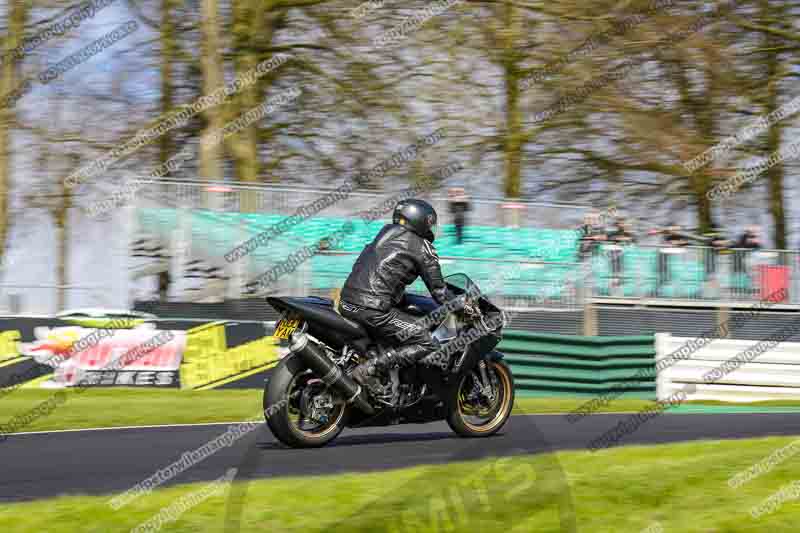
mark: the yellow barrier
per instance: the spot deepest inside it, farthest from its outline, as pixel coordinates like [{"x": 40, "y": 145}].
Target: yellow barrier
[
  {"x": 204, "y": 341},
  {"x": 9, "y": 344},
  {"x": 207, "y": 358}
]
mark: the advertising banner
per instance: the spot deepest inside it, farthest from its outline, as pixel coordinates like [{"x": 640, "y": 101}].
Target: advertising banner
[{"x": 143, "y": 356}]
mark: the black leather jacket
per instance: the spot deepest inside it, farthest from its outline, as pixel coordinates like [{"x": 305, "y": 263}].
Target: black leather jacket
[{"x": 388, "y": 265}]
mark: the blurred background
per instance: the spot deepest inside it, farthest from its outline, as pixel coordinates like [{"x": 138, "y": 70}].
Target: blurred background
[{"x": 567, "y": 132}]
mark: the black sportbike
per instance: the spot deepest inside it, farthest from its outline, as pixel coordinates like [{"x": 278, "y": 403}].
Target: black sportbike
[{"x": 310, "y": 397}]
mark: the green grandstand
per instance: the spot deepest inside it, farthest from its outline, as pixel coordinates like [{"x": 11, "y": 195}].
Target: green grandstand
[{"x": 551, "y": 254}]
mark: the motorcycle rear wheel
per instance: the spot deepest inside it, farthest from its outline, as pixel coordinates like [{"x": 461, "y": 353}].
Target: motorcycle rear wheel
[
  {"x": 490, "y": 413},
  {"x": 290, "y": 392}
]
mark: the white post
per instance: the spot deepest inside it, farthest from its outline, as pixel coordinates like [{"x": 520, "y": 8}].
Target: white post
[
  {"x": 662, "y": 379},
  {"x": 238, "y": 269},
  {"x": 183, "y": 245},
  {"x": 130, "y": 227}
]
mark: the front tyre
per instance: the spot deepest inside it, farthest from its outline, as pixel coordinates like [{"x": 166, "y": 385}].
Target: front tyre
[
  {"x": 300, "y": 410},
  {"x": 482, "y": 401}
]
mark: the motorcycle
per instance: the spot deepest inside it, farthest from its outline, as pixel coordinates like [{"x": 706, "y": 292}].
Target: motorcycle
[{"x": 310, "y": 397}]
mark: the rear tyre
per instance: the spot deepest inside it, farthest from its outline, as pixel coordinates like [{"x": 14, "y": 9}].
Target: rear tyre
[
  {"x": 299, "y": 409},
  {"x": 481, "y": 403}
]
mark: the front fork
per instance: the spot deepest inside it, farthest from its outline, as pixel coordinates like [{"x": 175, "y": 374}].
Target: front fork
[{"x": 486, "y": 383}]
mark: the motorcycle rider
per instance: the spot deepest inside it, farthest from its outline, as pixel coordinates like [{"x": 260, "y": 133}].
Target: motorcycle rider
[{"x": 399, "y": 253}]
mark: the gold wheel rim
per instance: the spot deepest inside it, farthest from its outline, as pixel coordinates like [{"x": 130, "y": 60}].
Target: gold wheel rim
[
  {"x": 311, "y": 434},
  {"x": 327, "y": 431},
  {"x": 505, "y": 389}
]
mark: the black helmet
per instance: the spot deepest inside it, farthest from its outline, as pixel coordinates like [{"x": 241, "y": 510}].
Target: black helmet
[{"x": 419, "y": 216}]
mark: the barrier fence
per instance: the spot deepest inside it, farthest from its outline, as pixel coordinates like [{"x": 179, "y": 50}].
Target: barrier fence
[
  {"x": 730, "y": 370},
  {"x": 202, "y": 221},
  {"x": 695, "y": 273},
  {"x": 223, "y": 353},
  {"x": 567, "y": 365},
  {"x": 255, "y": 198},
  {"x": 213, "y": 354}
]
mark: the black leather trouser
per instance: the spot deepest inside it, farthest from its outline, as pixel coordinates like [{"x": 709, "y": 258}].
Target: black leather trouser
[{"x": 396, "y": 328}]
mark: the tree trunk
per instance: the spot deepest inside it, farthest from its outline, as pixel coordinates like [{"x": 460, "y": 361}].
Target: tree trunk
[
  {"x": 244, "y": 145},
  {"x": 211, "y": 64},
  {"x": 774, "y": 174},
  {"x": 168, "y": 59},
  {"x": 269, "y": 20},
  {"x": 513, "y": 127},
  {"x": 16, "y": 31},
  {"x": 707, "y": 120},
  {"x": 700, "y": 106},
  {"x": 62, "y": 255}
]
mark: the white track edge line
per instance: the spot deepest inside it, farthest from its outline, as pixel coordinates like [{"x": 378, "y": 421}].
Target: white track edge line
[{"x": 157, "y": 426}]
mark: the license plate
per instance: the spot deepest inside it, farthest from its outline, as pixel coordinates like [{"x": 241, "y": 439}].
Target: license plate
[{"x": 285, "y": 328}]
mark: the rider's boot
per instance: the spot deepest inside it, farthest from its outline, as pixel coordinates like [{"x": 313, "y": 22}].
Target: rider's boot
[
  {"x": 367, "y": 372},
  {"x": 409, "y": 355}
]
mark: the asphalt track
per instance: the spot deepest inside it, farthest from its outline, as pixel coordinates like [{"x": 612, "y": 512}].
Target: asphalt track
[{"x": 100, "y": 462}]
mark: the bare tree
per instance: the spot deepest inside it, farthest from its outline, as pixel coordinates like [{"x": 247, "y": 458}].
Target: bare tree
[
  {"x": 169, "y": 58},
  {"x": 9, "y": 85},
  {"x": 211, "y": 61}
]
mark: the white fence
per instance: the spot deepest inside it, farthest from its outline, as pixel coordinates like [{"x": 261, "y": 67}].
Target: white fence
[
  {"x": 241, "y": 197},
  {"x": 773, "y": 375}
]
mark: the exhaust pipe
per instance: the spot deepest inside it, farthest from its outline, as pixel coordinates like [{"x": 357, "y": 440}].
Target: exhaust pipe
[{"x": 330, "y": 374}]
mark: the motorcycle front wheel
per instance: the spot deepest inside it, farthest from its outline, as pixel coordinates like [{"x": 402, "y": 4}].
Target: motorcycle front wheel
[
  {"x": 300, "y": 410},
  {"x": 482, "y": 401}
]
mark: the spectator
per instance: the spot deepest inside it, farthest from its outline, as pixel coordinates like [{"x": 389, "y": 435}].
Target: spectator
[
  {"x": 674, "y": 239},
  {"x": 674, "y": 236},
  {"x": 164, "y": 281},
  {"x": 715, "y": 238},
  {"x": 750, "y": 239},
  {"x": 591, "y": 233},
  {"x": 743, "y": 248},
  {"x": 621, "y": 232},
  {"x": 716, "y": 243},
  {"x": 619, "y": 235},
  {"x": 459, "y": 205}
]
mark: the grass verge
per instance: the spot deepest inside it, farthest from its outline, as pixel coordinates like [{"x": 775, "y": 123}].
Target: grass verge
[
  {"x": 116, "y": 407},
  {"x": 679, "y": 487}
]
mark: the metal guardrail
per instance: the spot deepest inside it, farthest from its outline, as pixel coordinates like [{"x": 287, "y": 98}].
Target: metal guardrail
[
  {"x": 277, "y": 199},
  {"x": 644, "y": 275},
  {"x": 514, "y": 293},
  {"x": 695, "y": 274}
]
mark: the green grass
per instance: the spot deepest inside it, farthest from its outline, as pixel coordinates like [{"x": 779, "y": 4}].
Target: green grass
[
  {"x": 116, "y": 407},
  {"x": 682, "y": 487},
  {"x": 565, "y": 405},
  {"x": 133, "y": 407}
]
